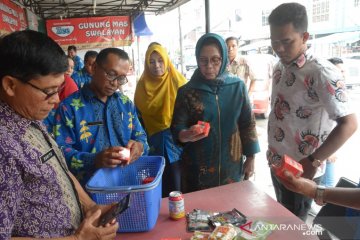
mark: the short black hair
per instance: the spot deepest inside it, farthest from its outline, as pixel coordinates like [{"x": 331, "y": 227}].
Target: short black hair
[
  {"x": 232, "y": 38},
  {"x": 29, "y": 54},
  {"x": 72, "y": 47},
  {"x": 103, "y": 54},
  {"x": 336, "y": 60},
  {"x": 90, "y": 54},
  {"x": 286, "y": 13}
]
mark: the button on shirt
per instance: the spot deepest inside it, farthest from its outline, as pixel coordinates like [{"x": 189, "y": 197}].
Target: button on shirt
[
  {"x": 37, "y": 197},
  {"x": 307, "y": 97},
  {"x": 85, "y": 126}
]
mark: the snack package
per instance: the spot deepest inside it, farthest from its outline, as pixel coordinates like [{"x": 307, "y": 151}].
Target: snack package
[
  {"x": 205, "y": 127},
  {"x": 226, "y": 232},
  {"x": 200, "y": 236},
  {"x": 259, "y": 230},
  {"x": 234, "y": 217},
  {"x": 198, "y": 220},
  {"x": 290, "y": 165},
  {"x": 148, "y": 180}
]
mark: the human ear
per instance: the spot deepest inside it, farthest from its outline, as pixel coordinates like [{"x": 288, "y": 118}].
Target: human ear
[
  {"x": 9, "y": 84},
  {"x": 306, "y": 36}
]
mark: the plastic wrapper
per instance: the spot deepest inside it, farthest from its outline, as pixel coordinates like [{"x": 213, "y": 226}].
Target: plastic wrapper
[
  {"x": 226, "y": 232},
  {"x": 234, "y": 217},
  {"x": 259, "y": 230},
  {"x": 198, "y": 220},
  {"x": 200, "y": 236}
]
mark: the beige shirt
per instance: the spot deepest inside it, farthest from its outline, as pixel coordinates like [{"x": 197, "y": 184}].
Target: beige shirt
[{"x": 240, "y": 68}]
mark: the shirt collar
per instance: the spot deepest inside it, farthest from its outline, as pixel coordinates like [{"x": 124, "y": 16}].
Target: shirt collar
[
  {"x": 89, "y": 94},
  {"x": 301, "y": 60},
  {"x": 15, "y": 121}
]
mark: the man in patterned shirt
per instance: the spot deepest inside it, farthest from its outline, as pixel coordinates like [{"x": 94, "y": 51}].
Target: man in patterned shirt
[
  {"x": 72, "y": 52},
  {"x": 95, "y": 123},
  {"x": 308, "y": 99},
  {"x": 39, "y": 197},
  {"x": 83, "y": 76}
]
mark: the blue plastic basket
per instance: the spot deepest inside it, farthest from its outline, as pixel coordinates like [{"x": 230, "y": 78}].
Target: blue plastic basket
[{"x": 109, "y": 185}]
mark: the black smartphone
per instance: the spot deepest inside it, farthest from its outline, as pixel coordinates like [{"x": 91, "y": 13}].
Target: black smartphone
[{"x": 115, "y": 210}]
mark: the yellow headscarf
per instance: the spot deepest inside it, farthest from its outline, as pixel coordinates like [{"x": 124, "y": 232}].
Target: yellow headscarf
[{"x": 155, "y": 96}]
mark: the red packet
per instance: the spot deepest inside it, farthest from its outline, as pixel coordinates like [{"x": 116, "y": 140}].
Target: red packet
[
  {"x": 206, "y": 127},
  {"x": 147, "y": 180},
  {"x": 290, "y": 165}
]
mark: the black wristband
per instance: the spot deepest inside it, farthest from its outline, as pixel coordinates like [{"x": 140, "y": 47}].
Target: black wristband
[{"x": 311, "y": 158}]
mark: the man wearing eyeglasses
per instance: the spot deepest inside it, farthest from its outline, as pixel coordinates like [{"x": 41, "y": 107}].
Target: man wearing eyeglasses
[
  {"x": 97, "y": 122},
  {"x": 39, "y": 197}
]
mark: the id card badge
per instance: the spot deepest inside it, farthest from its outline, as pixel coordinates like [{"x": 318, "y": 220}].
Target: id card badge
[{"x": 48, "y": 155}]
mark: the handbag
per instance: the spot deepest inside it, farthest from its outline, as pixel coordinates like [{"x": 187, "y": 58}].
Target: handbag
[{"x": 336, "y": 219}]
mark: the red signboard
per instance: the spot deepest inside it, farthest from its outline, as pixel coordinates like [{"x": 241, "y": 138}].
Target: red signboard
[
  {"x": 93, "y": 32},
  {"x": 12, "y": 17}
]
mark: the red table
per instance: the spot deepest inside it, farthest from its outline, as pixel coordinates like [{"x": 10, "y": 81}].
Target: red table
[{"x": 245, "y": 197}]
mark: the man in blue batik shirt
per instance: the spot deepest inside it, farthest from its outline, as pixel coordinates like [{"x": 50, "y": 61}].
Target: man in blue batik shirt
[
  {"x": 83, "y": 76},
  {"x": 95, "y": 123},
  {"x": 79, "y": 64}
]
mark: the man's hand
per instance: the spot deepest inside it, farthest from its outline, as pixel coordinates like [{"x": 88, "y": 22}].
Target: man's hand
[
  {"x": 193, "y": 134},
  {"x": 136, "y": 150},
  {"x": 300, "y": 185},
  {"x": 104, "y": 209},
  {"x": 88, "y": 229},
  {"x": 109, "y": 157}
]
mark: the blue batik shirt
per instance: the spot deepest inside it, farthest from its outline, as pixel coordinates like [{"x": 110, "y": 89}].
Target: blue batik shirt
[
  {"x": 81, "y": 78},
  {"x": 85, "y": 126},
  {"x": 78, "y": 63}
]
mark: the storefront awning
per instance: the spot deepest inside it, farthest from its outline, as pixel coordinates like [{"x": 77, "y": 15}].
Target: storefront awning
[
  {"x": 140, "y": 26},
  {"x": 345, "y": 37}
]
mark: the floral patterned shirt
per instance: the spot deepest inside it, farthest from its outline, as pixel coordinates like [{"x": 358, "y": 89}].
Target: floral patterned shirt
[
  {"x": 85, "y": 126},
  {"x": 37, "y": 197},
  {"x": 307, "y": 97}
]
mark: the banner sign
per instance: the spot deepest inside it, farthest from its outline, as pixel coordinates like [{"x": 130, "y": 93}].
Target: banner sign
[
  {"x": 12, "y": 17},
  {"x": 92, "y": 32}
]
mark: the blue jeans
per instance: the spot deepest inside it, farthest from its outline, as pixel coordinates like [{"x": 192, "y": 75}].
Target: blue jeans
[{"x": 328, "y": 179}]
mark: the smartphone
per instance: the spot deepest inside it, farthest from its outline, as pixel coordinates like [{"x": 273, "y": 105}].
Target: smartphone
[{"x": 115, "y": 210}]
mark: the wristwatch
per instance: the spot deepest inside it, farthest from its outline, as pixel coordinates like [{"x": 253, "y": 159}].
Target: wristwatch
[
  {"x": 319, "y": 195},
  {"x": 315, "y": 162}
]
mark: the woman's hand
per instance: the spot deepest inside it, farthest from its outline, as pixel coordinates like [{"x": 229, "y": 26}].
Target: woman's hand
[
  {"x": 249, "y": 167},
  {"x": 192, "y": 134}
]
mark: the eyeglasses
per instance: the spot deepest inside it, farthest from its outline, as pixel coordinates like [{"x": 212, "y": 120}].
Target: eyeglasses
[
  {"x": 45, "y": 91},
  {"x": 215, "y": 61},
  {"x": 122, "y": 79}
]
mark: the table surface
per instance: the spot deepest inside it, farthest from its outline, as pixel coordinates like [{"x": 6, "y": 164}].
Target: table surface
[{"x": 245, "y": 197}]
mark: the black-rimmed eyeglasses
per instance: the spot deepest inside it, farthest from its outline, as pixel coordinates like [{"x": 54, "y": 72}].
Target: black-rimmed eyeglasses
[
  {"x": 46, "y": 91},
  {"x": 215, "y": 61},
  {"x": 121, "y": 79}
]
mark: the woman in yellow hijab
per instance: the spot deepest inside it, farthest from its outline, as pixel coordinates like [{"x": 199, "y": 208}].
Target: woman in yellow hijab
[{"x": 155, "y": 98}]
